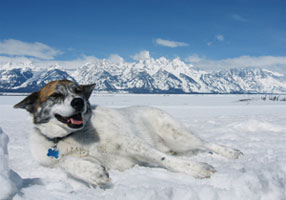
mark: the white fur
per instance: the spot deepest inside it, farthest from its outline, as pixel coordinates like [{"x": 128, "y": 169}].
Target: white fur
[
  {"x": 65, "y": 108},
  {"x": 120, "y": 138},
  {"x": 54, "y": 128}
]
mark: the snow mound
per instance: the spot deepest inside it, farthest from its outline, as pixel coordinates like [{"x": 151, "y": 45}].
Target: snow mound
[
  {"x": 10, "y": 180},
  {"x": 253, "y": 125}
]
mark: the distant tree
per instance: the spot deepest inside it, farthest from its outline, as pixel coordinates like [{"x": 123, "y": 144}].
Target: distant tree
[{"x": 283, "y": 99}]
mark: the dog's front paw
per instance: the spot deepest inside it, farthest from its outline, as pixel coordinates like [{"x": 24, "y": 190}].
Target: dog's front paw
[
  {"x": 197, "y": 170},
  {"x": 232, "y": 153},
  {"x": 88, "y": 170},
  {"x": 203, "y": 170},
  {"x": 101, "y": 178},
  {"x": 97, "y": 176}
]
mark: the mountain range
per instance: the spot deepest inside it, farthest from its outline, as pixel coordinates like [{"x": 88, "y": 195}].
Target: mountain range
[{"x": 144, "y": 76}]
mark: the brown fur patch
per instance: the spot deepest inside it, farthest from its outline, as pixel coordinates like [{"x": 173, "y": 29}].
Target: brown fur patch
[{"x": 49, "y": 89}]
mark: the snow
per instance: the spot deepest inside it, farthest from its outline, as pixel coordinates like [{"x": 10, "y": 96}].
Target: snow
[
  {"x": 10, "y": 181},
  {"x": 255, "y": 127},
  {"x": 274, "y": 73}
]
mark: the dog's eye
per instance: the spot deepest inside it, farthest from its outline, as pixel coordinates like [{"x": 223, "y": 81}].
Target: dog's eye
[
  {"x": 77, "y": 90},
  {"x": 57, "y": 95}
]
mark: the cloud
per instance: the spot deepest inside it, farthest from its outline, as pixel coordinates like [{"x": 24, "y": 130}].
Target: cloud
[
  {"x": 217, "y": 38},
  {"x": 115, "y": 58},
  {"x": 237, "y": 17},
  {"x": 39, "y": 50},
  {"x": 195, "y": 58},
  {"x": 275, "y": 63},
  {"x": 220, "y": 37},
  {"x": 40, "y": 63},
  {"x": 142, "y": 55},
  {"x": 168, "y": 43},
  {"x": 72, "y": 64},
  {"x": 18, "y": 59}
]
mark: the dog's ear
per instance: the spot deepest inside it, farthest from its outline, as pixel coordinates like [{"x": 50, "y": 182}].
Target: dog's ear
[
  {"x": 29, "y": 103},
  {"x": 87, "y": 90}
]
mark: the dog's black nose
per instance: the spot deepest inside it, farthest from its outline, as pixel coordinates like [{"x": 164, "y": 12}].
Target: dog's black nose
[{"x": 77, "y": 103}]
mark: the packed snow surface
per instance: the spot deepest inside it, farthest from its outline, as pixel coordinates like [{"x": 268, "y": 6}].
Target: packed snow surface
[
  {"x": 256, "y": 127},
  {"x": 10, "y": 181}
]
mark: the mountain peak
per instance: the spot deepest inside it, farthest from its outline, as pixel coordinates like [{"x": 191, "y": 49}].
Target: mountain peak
[
  {"x": 146, "y": 75},
  {"x": 178, "y": 61}
]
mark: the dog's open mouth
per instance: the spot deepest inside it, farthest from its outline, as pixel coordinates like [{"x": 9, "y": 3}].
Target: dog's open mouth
[{"x": 74, "y": 121}]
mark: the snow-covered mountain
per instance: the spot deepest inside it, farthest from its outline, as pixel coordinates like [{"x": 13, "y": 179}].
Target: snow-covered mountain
[
  {"x": 145, "y": 76},
  {"x": 29, "y": 79}
]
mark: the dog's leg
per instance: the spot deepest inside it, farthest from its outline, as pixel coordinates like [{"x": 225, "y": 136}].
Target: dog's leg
[
  {"x": 86, "y": 169},
  {"x": 183, "y": 142},
  {"x": 145, "y": 153},
  {"x": 175, "y": 135},
  {"x": 224, "y": 151}
]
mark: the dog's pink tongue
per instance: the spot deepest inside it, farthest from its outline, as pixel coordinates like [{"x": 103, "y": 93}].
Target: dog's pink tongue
[{"x": 76, "y": 122}]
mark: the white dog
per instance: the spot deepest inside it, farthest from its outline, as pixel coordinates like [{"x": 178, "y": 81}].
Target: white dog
[{"x": 86, "y": 142}]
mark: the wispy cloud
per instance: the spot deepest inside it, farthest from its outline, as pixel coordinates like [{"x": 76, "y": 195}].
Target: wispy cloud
[
  {"x": 115, "y": 58},
  {"x": 274, "y": 63},
  {"x": 39, "y": 50},
  {"x": 169, "y": 43},
  {"x": 238, "y": 18},
  {"x": 267, "y": 62},
  {"x": 220, "y": 37},
  {"x": 217, "y": 38},
  {"x": 195, "y": 58},
  {"x": 142, "y": 55}
]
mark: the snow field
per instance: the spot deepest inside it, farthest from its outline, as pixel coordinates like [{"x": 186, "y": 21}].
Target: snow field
[
  {"x": 9, "y": 180},
  {"x": 257, "y": 128}
]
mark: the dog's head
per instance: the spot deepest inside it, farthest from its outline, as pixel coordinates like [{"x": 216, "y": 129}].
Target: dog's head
[{"x": 59, "y": 108}]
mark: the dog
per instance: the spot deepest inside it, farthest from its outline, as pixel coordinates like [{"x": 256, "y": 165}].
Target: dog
[{"x": 87, "y": 141}]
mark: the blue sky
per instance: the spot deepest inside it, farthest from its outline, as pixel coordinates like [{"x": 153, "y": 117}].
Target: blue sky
[{"x": 205, "y": 29}]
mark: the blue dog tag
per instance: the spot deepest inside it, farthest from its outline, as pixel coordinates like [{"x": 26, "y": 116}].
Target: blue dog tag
[{"x": 53, "y": 152}]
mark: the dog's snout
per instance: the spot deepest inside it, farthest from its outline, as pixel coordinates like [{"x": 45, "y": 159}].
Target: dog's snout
[{"x": 77, "y": 103}]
